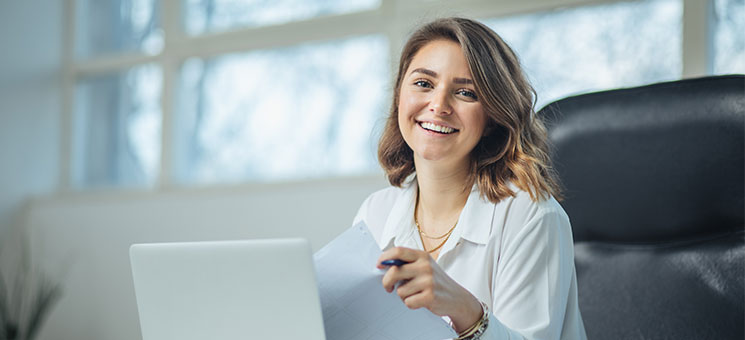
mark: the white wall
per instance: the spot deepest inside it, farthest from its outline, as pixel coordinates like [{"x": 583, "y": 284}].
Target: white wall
[{"x": 85, "y": 238}]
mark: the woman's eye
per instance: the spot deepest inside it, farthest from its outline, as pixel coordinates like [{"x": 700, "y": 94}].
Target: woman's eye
[
  {"x": 423, "y": 83},
  {"x": 468, "y": 93}
]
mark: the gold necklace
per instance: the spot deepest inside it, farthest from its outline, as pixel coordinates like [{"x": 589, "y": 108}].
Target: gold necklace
[{"x": 422, "y": 234}]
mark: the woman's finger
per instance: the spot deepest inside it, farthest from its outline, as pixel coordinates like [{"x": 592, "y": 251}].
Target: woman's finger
[
  {"x": 421, "y": 299},
  {"x": 411, "y": 287},
  {"x": 396, "y": 274}
]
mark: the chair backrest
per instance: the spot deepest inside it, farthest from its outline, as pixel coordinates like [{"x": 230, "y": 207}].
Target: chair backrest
[{"x": 654, "y": 178}]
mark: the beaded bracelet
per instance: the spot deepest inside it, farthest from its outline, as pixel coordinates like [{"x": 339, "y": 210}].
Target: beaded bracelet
[{"x": 477, "y": 330}]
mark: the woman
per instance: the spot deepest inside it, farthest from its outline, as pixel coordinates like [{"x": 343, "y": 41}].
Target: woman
[{"x": 472, "y": 212}]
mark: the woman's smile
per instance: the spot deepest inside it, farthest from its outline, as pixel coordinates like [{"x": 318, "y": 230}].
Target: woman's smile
[{"x": 437, "y": 128}]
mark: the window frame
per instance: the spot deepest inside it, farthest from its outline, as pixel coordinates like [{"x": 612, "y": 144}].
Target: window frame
[{"x": 393, "y": 19}]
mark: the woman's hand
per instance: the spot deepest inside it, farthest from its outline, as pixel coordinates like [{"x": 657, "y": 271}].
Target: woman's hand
[{"x": 424, "y": 284}]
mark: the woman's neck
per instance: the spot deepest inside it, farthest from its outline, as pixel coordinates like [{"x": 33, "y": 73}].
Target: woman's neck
[{"x": 443, "y": 189}]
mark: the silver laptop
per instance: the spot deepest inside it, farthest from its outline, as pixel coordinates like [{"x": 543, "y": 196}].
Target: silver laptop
[{"x": 255, "y": 289}]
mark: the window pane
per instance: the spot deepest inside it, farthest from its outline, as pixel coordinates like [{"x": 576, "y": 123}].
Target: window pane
[
  {"x": 106, "y": 27},
  {"x": 118, "y": 128},
  {"x": 298, "y": 112},
  {"x": 597, "y": 47},
  {"x": 204, "y": 16},
  {"x": 729, "y": 36}
]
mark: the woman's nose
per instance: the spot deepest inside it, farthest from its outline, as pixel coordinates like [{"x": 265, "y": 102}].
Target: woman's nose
[{"x": 439, "y": 104}]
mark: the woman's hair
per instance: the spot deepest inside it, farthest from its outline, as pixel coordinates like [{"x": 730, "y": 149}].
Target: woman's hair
[{"x": 515, "y": 145}]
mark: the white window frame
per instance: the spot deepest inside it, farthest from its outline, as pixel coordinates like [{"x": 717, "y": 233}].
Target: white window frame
[{"x": 393, "y": 19}]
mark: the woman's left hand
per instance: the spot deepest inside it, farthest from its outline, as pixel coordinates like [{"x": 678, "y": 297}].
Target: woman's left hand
[{"x": 424, "y": 284}]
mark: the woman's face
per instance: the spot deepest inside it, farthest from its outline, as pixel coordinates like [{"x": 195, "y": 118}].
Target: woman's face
[{"x": 439, "y": 114}]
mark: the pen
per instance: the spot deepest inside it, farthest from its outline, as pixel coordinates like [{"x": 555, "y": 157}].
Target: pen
[{"x": 396, "y": 262}]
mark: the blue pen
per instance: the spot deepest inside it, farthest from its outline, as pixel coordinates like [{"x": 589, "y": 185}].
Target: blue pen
[{"x": 396, "y": 262}]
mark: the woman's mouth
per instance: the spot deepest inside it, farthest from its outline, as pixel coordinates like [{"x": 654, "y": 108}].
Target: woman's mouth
[{"x": 437, "y": 128}]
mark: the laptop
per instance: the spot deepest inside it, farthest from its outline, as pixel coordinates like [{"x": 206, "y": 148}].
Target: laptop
[{"x": 253, "y": 289}]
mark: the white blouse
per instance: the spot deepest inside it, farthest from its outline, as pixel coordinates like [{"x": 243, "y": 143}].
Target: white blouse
[{"x": 517, "y": 256}]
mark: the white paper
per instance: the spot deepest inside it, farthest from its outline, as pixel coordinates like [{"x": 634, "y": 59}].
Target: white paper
[{"x": 355, "y": 305}]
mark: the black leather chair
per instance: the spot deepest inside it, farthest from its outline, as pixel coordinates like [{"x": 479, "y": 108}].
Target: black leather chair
[{"x": 654, "y": 180}]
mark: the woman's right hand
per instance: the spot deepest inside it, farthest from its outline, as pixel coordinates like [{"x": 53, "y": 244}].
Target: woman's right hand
[{"x": 424, "y": 284}]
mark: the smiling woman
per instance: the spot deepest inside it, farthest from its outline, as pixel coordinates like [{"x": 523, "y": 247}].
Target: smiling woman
[
  {"x": 472, "y": 217},
  {"x": 515, "y": 141}
]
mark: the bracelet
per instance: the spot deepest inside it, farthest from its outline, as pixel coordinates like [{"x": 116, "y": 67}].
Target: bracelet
[{"x": 477, "y": 330}]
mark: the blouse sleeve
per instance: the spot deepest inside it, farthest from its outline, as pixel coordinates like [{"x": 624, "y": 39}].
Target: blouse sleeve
[{"x": 531, "y": 284}]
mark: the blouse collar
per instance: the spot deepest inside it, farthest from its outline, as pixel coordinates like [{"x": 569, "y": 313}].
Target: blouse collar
[{"x": 474, "y": 223}]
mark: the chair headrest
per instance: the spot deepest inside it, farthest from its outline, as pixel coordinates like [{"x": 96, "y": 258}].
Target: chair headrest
[{"x": 652, "y": 163}]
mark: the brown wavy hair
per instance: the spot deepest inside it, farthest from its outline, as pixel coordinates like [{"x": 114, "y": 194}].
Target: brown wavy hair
[{"x": 515, "y": 146}]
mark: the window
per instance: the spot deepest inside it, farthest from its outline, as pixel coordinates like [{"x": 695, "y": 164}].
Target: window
[
  {"x": 590, "y": 48},
  {"x": 728, "y": 37},
  {"x": 189, "y": 92},
  {"x": 204, "y": 16},
  {"x": 295, "y": 112},
  {"x": 118, "y": 125},
  {"x": 115, "y": 27},
  {"x": 284, "y": 111}
]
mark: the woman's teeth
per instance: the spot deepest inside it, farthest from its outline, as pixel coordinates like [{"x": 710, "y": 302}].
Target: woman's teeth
[{"x": 436, "y": 128}]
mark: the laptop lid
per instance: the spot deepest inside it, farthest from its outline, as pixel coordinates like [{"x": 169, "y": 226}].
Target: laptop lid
[{"x": 253, "y": 289}]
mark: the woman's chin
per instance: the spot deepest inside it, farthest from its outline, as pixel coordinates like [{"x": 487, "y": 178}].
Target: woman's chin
[
  {"x": 438, "y": 157},
  {"x": 432, "y": 155}
]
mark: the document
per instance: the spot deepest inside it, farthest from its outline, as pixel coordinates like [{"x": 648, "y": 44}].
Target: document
[{"x": 355, "y": 305}]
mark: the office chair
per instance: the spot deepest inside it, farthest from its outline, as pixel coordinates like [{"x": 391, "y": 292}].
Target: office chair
[{"x": 654, "y": 182}]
